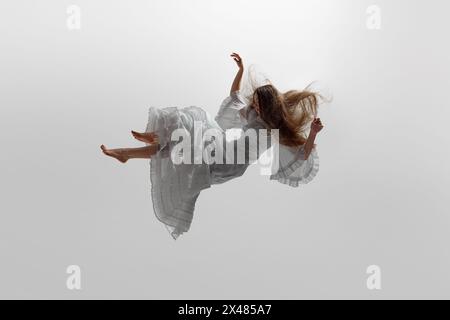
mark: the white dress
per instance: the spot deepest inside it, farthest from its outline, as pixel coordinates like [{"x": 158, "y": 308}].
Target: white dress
[{"x": 176, "y": 187}]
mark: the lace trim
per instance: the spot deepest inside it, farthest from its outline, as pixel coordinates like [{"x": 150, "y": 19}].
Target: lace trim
[
  {"x": 283, "y": 174},
  {"x": 159, "y": 121}
]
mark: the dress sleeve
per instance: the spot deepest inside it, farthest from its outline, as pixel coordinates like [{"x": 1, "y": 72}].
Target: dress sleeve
[
  {"x": 252, "y": 142},
  {"x": 294, "y": 169},
  {"x": 228, "y": 116}
]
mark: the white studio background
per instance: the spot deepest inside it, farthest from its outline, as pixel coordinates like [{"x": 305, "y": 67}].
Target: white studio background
[{"x": 380, "y": 198}]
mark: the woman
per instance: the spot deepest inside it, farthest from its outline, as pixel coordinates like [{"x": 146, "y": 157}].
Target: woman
[{"x": 175, "y": 187}]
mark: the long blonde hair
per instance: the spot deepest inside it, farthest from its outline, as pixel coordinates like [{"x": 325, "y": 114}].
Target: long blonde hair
[{"x": 291, "y": 112}]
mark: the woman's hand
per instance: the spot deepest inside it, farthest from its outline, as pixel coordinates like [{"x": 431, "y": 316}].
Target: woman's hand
[
  {"x": 238, "y": 60},
  {"x": 316, "y": 126}
]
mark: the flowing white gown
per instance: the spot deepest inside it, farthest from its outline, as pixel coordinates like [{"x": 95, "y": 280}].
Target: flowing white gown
[{"x": 176, "y": 187}]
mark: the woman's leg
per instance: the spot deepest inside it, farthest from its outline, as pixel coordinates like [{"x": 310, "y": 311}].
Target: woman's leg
[
  {"x": 147, "y": 137},
  {"x": 124, "y": 154}
]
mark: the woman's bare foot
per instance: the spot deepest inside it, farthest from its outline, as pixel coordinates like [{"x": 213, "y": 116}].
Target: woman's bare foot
[
  {"x": 115, "y": 153},
  {"x": 148, "y": 137}
]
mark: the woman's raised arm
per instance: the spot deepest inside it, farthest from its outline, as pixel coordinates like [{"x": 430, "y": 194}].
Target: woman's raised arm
[{"x": 236, "y": 86}]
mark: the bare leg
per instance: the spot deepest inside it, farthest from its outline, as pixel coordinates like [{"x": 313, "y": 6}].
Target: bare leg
[
  {"x": 124, "y": 154},
  {"x": 147, "y": 137}
]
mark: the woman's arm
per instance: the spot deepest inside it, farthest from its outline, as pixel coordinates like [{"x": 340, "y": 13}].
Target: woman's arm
[
  {"x": 237, "y": 80},
  {"x": 316, "y": 126}
]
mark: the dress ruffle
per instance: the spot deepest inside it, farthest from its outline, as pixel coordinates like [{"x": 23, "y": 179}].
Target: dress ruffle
[
  {"x": 298, "y": 171},
  {"x": 176, "y": 187}
]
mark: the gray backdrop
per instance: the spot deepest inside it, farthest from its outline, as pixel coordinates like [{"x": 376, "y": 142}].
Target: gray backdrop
[{"x": 380, "y": 198}]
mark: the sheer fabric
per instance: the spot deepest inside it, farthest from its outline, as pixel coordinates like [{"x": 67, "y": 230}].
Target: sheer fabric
[
  {"x": 176, "y": 187},
  {"x": 293, "y": 169}
]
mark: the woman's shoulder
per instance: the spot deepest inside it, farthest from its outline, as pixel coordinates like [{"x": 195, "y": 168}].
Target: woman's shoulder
[
  {"x": 238, "y": 97},
  {"x": 235, "y": 100}
]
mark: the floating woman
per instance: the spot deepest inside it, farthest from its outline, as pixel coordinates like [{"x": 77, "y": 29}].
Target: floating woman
[{"x": 176, "y": 186}]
